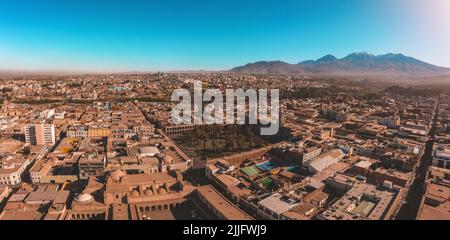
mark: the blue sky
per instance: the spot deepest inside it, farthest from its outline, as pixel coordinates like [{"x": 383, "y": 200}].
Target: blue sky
[{"x": 117, "y": 35}]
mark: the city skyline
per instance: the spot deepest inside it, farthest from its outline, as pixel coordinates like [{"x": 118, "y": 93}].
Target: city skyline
[
  {"x": 224, "y": 111},
  {"x": 179, "y": 35}
]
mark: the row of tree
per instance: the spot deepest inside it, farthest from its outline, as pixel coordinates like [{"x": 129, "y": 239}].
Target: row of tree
[{"x": 228, "y": 137}]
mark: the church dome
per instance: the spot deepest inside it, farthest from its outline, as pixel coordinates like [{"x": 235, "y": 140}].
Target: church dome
[
  {"x": 135, "y": 193},
  {"x": 162, "y": 191},
  {"x": 148, "y": 192},
  {"x": 117, "y": 175},
  {"x": 84, "y": 197}
]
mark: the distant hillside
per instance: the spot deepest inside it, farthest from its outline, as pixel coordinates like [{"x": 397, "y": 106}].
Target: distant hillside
[
  {"x": 362, "y": 63},
  {"x": 263, "y": 67}
]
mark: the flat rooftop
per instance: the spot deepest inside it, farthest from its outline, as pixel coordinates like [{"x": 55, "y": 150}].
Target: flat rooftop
[{"x": 278, "y": 203}]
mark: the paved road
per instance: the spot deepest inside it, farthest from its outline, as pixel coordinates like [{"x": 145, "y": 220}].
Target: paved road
[{"x": 410, "y": 209}]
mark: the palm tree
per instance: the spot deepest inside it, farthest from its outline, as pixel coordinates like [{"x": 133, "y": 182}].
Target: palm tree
[
  {"x": 230, "y": 142},
  {"x": 252, "y": 140},
  {"x": 190, "y": 139},
  {"x": 240, "y": 142},
  {"x": 205, "y": 138},
  {"x": 214, "y": 144}
]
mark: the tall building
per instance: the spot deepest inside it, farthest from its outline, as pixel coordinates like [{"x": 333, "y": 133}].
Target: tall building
[{"x": 40, "y": 134}]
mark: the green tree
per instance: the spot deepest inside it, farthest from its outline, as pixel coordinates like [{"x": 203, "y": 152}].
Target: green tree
[
  {"x": 230, "y": 143},
  {"x": 214, "y": 144},
  {"x": 240, "y": 142},
  {"x": 205, "y": 139}
]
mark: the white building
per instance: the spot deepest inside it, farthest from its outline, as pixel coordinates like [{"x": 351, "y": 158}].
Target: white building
[
  {"x": 273, "y": 207},
  {"x": 60, "y": 115},
  {"x": 441, "y": 157},
  {"x": 77, "y": 132},
  {"x": 310, "y": 153},
  {"x": 12, "y": 168},
  {"x": 47, "y": 114},
  {"x": 324, "y": 161},
  {"x": 39, "y": 170}
]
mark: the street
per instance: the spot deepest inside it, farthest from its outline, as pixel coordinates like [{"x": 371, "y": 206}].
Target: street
[{"x": 410, "y": 209}]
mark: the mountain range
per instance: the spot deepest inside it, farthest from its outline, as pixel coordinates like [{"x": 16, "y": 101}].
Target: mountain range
[{"x": 360, "y": 63}]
